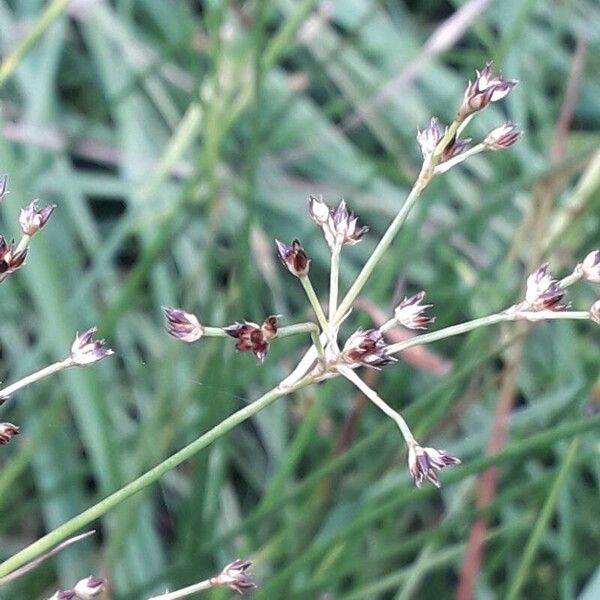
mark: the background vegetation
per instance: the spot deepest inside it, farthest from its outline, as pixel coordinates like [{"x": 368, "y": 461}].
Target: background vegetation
[{"x": 178, "y": 139}]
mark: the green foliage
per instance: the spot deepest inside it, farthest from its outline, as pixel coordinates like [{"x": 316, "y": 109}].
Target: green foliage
[{"x": 178, "y": 140}]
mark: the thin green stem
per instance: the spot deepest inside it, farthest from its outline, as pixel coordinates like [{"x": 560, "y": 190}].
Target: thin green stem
[
  {"x": 535, "y": 539},
  {"x": 29, "y": 379},
  {"x": 569, "y": 280},
  {"x": 149, "y": 477},
  {"x": 308, "y": 327},
  {"x": 441, "y": 334},
  {"x": 334, "y": 276},
  {"x": 374, "y": 397},
  {"x": 423, "y": 180},
  {"x": 452, "y": 162},
  {"x": 314, "y": 302},
  {"x": 186, "y": 591},
  {"x": 52, "y": 12}
]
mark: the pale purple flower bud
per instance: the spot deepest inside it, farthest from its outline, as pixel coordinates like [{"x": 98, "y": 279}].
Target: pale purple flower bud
[
  {"x": 486, "y": 88},
  {"x": 368, "y": 348},
  {"x": 425, "y": 463},
  {"x": 235, "y": 576},
  {"x": 595, "y": 312},
  {"x": 86, "y": 350},
  {"x": 502, "y": 137},
  {"x": 294, "y": 258},
  {"x": 319, "y": 211},
  {"x": 10, "y": 258},
  {"x": 32, "y": 218},
  {"x": 252, "y": 337},
  {"x": 7, "y": 432},
  {"x": 590, "y": 267},
  {"x": 182, "y": 325},
  {"x": 543, "y": 291},
  {"x": 342, "y": 227},
  {"x": 88, "y": 588},
  {"x": 411, "y": 312},
  {"x": 429, "y": 138}
]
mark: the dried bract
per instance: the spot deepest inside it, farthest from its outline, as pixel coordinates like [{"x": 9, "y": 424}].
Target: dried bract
[
  {"x": 235, "y": 576},
  {"x": 11, "y": 259},
  {"x": 502, "y": 137},
  {"x": 32, "y": 218},
  {"x": 340, "y": 225},
  {"x": 253, "y": 337},
  {"x": 86, "y": 350},
  {"x": 425, "y": 463},
  {"x": 88, "y": 588},
  {"x": 294, "y": 258},
  {"x": 7, "y": 432},
  {"x": 543, "y": 291},
  {"x": 367, "y": 348},
  {"x": 590, "y": 267},
  {"x": 486, "y": 88},
  {"x": 182, "y": 325},
  {"x": 411, "y": 312}
]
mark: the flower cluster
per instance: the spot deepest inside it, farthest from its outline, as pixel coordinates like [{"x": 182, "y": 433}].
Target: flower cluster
[
  {"x": 339, "y": 224},
  {"x": 294, "y": 258},
  {"x": 426, "y": 463},
  {"x": 182, "y": 325},
  {"x": 235, "y": 576},
  {"x": 367, "y": 348},
  {"x": 85, "y": 350},
  {"x": 543, "y": 291},
  {"x": 252, "y": 337},
  {"x": 411, "y": 312}
]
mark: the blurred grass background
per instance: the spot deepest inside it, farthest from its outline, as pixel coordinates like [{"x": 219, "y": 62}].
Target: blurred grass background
[{"x": 178, "y": 139}]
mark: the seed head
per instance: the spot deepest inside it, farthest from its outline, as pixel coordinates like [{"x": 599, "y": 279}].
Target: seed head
[
  {"x": 32, "y": 218},
  {"x": 425, "y": 463},
  {"x": 543, "y": 291},
  {"x": 10, "y": 258},
  {"x": 7, "y": 432},
  {"x": 88, "y": 588},
  {"x": 182, "y": 325},
  {"x": 253, "y": 337},
  {"x": 486, "y": 88},
  {"x": 502, "y": 137},
  {"x": 595, "y": 312},
  {"x": 367, "y": 348},
  {"x": 411, "y": 312},
  {"x": 294, "y": 258},
  {"x": 86, "y": 351},
  {"x": 235, "y": 576},
  {"x": 590, "y": 267},
  {"x": 339, "y": 224}
]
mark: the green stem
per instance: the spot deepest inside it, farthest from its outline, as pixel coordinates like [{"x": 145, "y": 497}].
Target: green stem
[
  {"x": 535, "y": 539},
  {"x": 334, "y": 277},
  {"x": 314, "y": 302},
  {"x": 149, "y": 477},
  {"x": 423, "y": 180},
  {"x": 308, "y": 327},
  {"x": 374, "y": 397},
  {"x": 441, "y": 334},
  {"x": 52, "y": 12},
  {"x": 29, "y": 379},
  {"x": 186, "y": 591}
]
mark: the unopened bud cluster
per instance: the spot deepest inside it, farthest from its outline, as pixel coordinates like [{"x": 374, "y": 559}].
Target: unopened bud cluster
[
  {"x": 543, "y": 291},
  {"x": 340, "y": 225},
  {"x": 411, "y": 312},
  {"x": 367, "y": 348},
  {"x": 294, "y": 258},
  {"x": 425, "y": 463},
  {"x": 85, "y": 589},
  {"x": 252, "y": 337},
  {"x": 235, "y": 576},
  {"x": 86, "y": 351}
]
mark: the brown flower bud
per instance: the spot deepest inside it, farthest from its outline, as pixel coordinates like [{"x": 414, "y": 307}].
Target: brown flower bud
[
  {"x": 7, "y": 432},
  {"x": 236, "y": 577},
  {"x": 182, "y": 325},
  {"x": 367, "y": 348},
  {"x": 32, "y": 218},
  {"x": 294, "y": 258},
  {"x": 486, "y": 88},
  {"x": 410, "y": 312},
  {"x": 252, "y": 337},
  {"x": 425, "y": 463},
  {"x": 543, "y": 291},
  {"x": 10, "y": 258},
  {"x": 502, "y": 137}
]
